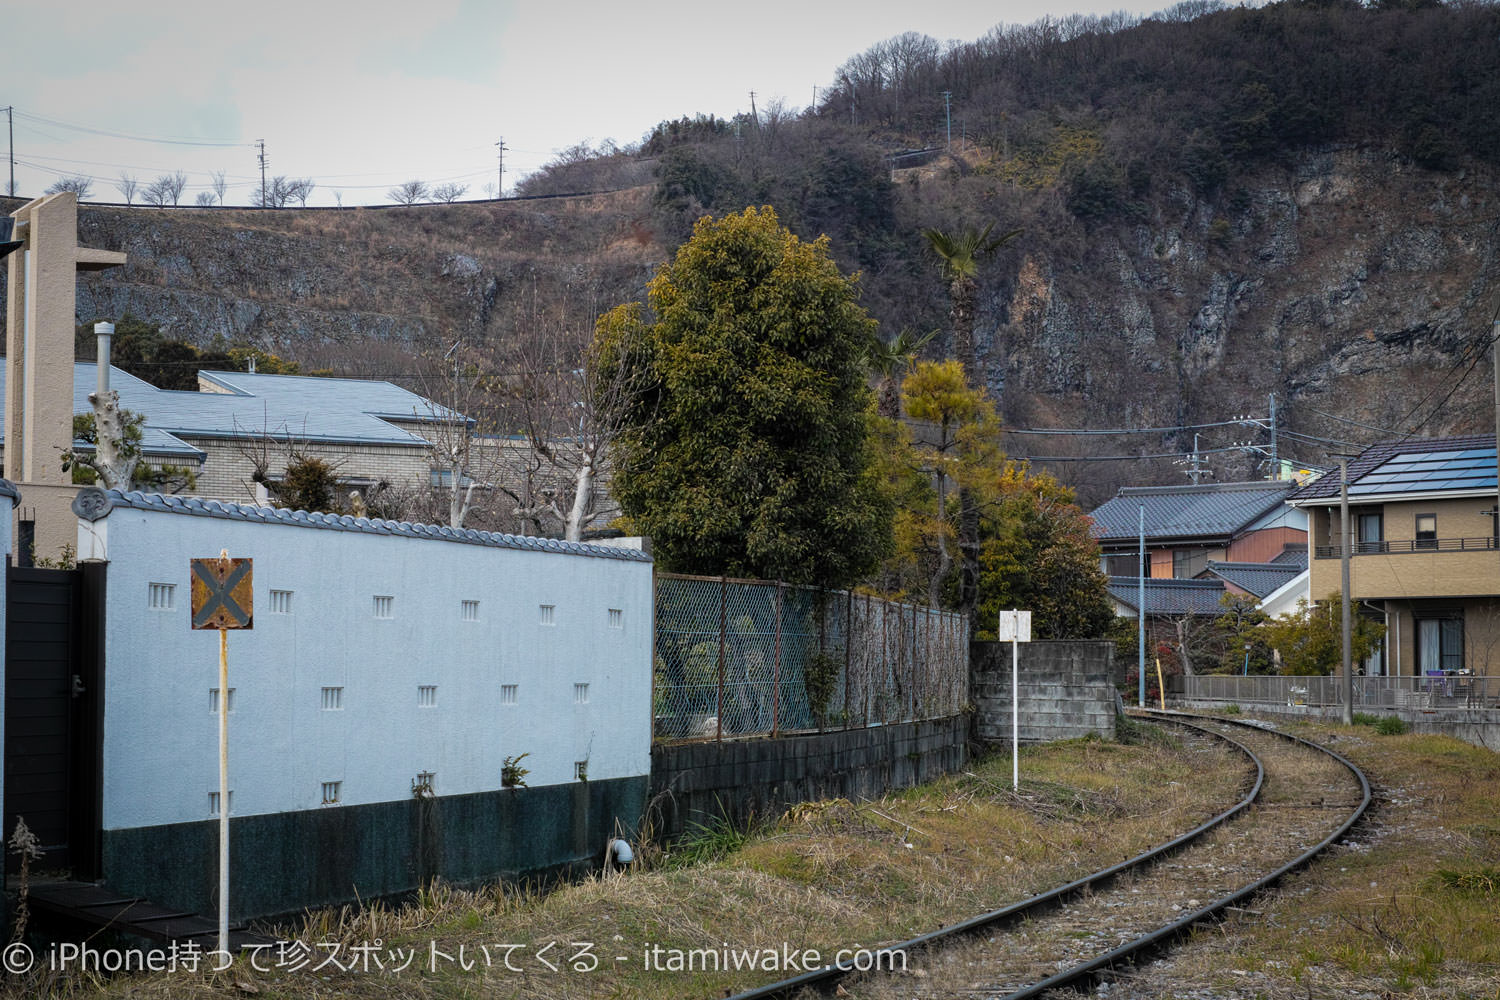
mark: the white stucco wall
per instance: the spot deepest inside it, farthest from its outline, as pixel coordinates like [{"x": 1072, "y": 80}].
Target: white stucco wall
[{"x": 160, "y": 732}]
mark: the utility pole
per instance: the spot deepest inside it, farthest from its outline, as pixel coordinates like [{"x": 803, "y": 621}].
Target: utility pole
[
  {"x": 948, "y": 113},
  {"x": 500, "y": 168},
  {"x": 1345, "y": 538},
  {"x": 1197, "y": 462},
  {"x": 1495, "y": 349},
  {"x": 10, "y": 117},
  {"x": 1275, "y": 460},
  {"x": 754, "y": 117},
  {"x": 261, "y": 145},
  {"x": 1140, "y": 609}
]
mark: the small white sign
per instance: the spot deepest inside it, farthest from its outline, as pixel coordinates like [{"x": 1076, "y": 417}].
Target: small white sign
[{"x": 1015, "y": 626}]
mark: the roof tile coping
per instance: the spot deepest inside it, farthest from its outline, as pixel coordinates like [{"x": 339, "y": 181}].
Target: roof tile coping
[{"x": 99, "y": 502}]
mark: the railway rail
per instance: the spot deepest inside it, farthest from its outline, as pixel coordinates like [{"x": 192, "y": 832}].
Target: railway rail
[{"x": 1303, "y": 799}]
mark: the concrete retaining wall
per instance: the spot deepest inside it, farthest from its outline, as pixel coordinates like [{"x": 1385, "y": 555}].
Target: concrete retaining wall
[
  {"x": 696, "y": 783},
  {"x": 1065, "y": 690}
]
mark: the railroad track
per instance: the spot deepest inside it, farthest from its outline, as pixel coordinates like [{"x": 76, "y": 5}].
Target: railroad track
[{"x": 1303, "y": 799}]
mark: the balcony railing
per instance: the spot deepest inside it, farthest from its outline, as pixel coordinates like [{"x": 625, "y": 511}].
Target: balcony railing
[{"x": 1408, "y": 545}]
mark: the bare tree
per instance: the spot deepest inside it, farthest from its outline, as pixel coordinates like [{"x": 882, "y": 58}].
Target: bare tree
[
  {"x": 301, "y": 188},
  {"x": 449, "y": 192},
  {"x": 166, "y": 188},
  {"x": 281, "y": 191},
  {"x": 219, "y": 185},
  {"x": 205, "y": 199},
  {"x": 408, "y": 192},
  {"x": 79, "y": 185},
  {"x": 126, "y": 185}
]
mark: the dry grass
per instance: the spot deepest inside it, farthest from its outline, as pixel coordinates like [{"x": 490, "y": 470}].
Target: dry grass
[
  {"x": 826, "y": 876},
  {"x": 1409, "y": 911},
  {"x": 1409, "y": 908}
]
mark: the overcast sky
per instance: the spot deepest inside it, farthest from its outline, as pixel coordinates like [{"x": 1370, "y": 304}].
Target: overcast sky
[{"x": 362, "y": 96}]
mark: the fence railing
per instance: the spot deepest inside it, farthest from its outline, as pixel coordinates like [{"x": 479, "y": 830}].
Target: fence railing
[
  {"x": 1439, "y": 691},
  {"x": 746, "y": 657}
]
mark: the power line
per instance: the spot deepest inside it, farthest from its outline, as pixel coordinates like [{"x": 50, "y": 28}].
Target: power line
[
  {"x": 1085, "y": 432},
  {"x": 110, "y": 133}
]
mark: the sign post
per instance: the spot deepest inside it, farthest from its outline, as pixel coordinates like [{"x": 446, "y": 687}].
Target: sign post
[
  {"x": 1016, "y": 626},
  {"x": 222, "y": 599}
]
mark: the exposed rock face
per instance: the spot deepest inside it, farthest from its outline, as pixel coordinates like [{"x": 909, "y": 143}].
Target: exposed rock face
[
  {"x": 1348, "y": 282},
  {"x": 1351, "y": 283}
]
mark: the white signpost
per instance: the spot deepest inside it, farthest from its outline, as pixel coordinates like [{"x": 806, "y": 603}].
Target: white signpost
[{"x": 1015, "y": 626}]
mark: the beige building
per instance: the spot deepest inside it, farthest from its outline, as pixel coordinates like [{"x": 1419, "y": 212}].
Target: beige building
[{"x": 1424, "y": 559}]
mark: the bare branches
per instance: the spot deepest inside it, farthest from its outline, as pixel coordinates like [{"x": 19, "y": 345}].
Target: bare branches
[{"x": 409, "y": 192}]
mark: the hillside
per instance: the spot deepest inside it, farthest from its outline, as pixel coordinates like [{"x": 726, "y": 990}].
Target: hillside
[{"x": 1216, "y": 206}]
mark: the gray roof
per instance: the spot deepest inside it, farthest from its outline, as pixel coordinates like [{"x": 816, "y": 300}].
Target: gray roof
[
  {"x": 1292, "y": 557},
  {"x": 306, "y": 408},
  {"x": 1429, "y": 466},
  {"x": 1259, "y": 579},
  {"x": 1170, "y": 597},
  {"x": 93, "y": 503},
  {"x": 1215, "y": 511}
]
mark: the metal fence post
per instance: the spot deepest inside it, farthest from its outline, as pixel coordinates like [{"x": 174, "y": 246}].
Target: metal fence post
[
  {"x": 776, "y": 667},
  {"x": 723, "y": 638},
  {"x": 848, "y": 653}
]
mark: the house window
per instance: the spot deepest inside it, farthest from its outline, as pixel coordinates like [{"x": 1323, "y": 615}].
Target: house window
[
  {"x": 1124, "y": 565},
  {"x": 1427, "y": 531},
  {"x": 281, "y": 602},
  {"x": 162, "y": 596},
  {"x": 333, "y": 791},
  {"x": 1440, "y": 643},
  {"x": 549, "y": 614},
  {"x": 1369, "y": 533},
  {"x": 333, "y": 699},
  {"x": 213, "y": 700},
  {"x": 427, "y": 696},
  {"x": 580, "y": 694},
  {"x": 469, "y": 611},
  {"x": 1188, "y": 563},
  {"x": 510, "y": 694},
  {"x": 384, "y": 607},
  {"x": 424, "y": 785},
  {"x": 213, "y": 802},
  {"x": 616, "y": 618}
]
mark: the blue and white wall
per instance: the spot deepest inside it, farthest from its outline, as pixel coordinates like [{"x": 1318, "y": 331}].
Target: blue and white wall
[{"x": 381, "y": 654}]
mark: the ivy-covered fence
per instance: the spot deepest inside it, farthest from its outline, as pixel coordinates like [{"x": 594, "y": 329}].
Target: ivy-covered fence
[{"x": 748, "y": 657}]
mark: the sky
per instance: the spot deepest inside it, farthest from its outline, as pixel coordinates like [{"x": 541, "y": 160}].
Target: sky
[{"x": 360, "y": 97}]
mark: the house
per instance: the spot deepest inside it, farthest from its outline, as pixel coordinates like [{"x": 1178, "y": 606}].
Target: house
[
  {"x": 1276, "y": 586},
  {"x": 1187, "y": 526},
  {"x": 1423, "y": 557}
]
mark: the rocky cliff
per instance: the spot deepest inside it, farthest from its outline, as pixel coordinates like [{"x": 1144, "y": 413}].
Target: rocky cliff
[{"x": 1353, "y": 285}]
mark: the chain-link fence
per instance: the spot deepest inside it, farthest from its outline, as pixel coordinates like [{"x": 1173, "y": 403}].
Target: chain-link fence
[{"x": 744, "y": 657}]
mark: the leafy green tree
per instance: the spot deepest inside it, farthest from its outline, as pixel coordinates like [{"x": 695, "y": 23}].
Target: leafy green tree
[
  {"x": 746, "y": 452},
  {"x": 935, "y": 393},
  {"x": 1036, "y": 552},
  {"x": 1310, "y": 639}
]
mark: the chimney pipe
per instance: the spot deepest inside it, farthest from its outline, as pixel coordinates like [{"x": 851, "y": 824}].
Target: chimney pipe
[{"x": 104, "y": 331}]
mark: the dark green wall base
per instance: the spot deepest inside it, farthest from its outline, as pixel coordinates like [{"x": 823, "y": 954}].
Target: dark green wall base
[
  {"x": 753, "y": 779},
  {"x": 286, "y": 862}
]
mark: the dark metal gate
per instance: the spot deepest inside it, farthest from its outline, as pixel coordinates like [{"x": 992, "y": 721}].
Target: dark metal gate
[{"x": 53, "y": 679}]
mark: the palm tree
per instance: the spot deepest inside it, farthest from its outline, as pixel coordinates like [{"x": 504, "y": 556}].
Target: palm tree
[
  {"x": 890, "y": 359},
  {"x": 959, "y": 254}
]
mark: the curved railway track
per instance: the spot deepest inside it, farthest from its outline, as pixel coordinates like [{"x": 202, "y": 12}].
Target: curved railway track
[{"x": 1303, "y": 799}]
